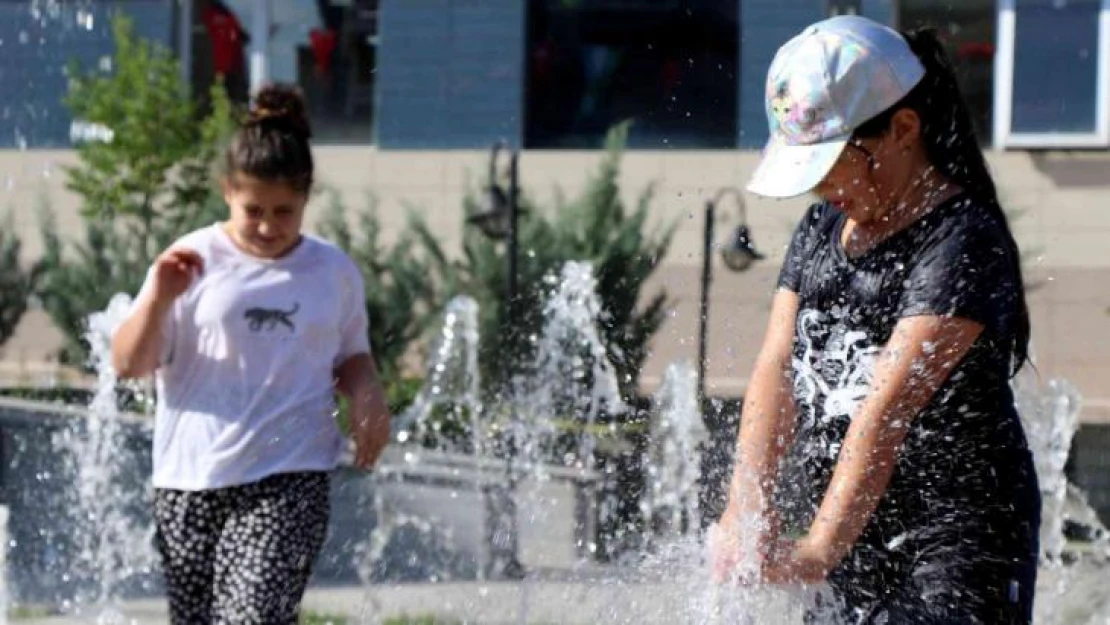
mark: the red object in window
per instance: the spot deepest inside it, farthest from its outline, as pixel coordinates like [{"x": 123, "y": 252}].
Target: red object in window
[
  {"x": 227, "y": 36},
  {"x": 323, "y": 44},
  {"x": 976, "y": 50},
  {"x": 671, "y": 75}
]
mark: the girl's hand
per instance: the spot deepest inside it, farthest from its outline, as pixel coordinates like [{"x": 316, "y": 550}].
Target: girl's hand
[
  {"x": 724, "y": 550},
  {"x": 371, "y": 434},
  {"x": 797, "y": 562},
  {"x": 174, "y": 271},
  {"x": 739, "y": 544}
]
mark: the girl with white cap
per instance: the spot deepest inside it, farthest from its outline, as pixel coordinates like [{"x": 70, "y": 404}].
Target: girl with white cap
[{"x": 879, "y": 427}]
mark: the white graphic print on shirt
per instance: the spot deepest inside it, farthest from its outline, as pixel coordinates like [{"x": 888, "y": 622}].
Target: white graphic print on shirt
[{"x": 833, "y": 369}]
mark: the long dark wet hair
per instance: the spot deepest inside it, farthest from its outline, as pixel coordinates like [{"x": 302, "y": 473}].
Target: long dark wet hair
[{"x": 953, "y": 149}]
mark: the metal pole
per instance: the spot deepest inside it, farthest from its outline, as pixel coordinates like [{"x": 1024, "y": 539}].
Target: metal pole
[
  {"x": 514, "y": 569},
  {"x": 185, "y": 12},
  {"x": 261, "y": 22},
  {"x": 514, "y": 247},
  {"x": 703, "y": 312}
]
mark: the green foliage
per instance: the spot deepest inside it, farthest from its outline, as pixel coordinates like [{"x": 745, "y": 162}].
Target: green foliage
[
  {"x": 16, "y": 281},
  {"x": 127, "y": 399},
  {"x": 421, "y": 620},
  {"x": 156, "y": 165},
  {"x": 152, "y": 182},
  {"x": 399, "y": 292},
  {"x": 596, "y": 227},
  {"x": 309, "y": 617}
]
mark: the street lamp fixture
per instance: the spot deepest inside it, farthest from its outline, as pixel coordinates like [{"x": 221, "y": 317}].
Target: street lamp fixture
[
  {"x": 500, "y": 206},
  {"x": 740, "y": 252},
  {"x": 738, "y": 255}
]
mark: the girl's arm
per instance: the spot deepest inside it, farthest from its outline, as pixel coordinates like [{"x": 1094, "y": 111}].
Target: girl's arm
[
  {"x": 767, "y": 417},
  {"x": 137, "y": 343},
  {"x": 766, "y": 429},
  {"x": 919, "y": 357},
  {"x": 357, "y": 379}
]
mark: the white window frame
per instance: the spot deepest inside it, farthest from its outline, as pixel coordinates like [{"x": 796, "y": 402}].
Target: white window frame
[{"x": 1004, "y": 135}]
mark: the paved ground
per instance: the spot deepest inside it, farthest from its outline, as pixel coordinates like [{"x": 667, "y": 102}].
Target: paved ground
[{"x": 1075, "y": 595}]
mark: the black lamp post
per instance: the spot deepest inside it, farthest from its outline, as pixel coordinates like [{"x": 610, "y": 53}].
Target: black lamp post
[
  {"x": 738, "y": 255},
  {"x": 498, "y": 221}
]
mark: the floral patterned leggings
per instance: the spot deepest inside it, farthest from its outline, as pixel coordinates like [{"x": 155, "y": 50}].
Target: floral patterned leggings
[{"x": 241, "y": 554}]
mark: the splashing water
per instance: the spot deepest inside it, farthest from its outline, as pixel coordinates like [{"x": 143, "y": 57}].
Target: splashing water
[
  {"x": 452, "y": 383},
  {"x": 572, "y": 374},
  {"x": 5, "y": 599},
  {"x": 669, "y": 507},
  {"x": 453, "y": 379},
  {"x": 570, "y": 383},
  {"x": 1071, "y": 590},
  {"x": 1050, "y": 420},
  {"x": 670, "y": 585},
  {"x": 112, "y": 547}
]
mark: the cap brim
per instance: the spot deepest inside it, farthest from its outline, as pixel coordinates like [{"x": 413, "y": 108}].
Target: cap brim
[{"x": 791, "y": 170}]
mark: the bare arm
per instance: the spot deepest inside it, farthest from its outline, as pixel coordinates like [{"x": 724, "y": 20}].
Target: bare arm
[
  {"x": 357, "y": 379},
  {"x": 919, "y": 357},
  {"x": 137, "y": 344},
  {"x": 768, "y": 415}
]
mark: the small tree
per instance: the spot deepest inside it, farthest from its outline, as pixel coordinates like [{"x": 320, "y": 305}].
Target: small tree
[
  {"x": 596, "y": 227},
  {"x": 16, "y": 280},
  {"x": 149, "y": 182},
  {"x": 399, "y": 291}
]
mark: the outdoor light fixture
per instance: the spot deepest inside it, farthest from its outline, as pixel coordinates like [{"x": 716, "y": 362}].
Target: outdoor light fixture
[
  {"x": 738, "y": 255},
  {"x": 496, "y": 220}
]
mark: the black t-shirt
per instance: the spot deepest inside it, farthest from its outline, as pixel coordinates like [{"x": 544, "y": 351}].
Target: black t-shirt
[{"x": 954, "y": 261}]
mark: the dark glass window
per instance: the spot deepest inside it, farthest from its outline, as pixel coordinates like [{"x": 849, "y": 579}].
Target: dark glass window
[
  {"x": 967, "y": 28},
  {"x": 668, "y": 65},
  {"x": 327, "y": 47}
]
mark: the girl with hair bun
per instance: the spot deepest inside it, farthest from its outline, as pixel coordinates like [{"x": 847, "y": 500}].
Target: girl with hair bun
[
  {"x": 880, "y": 450},
  {"x": 250, "y": 327}
]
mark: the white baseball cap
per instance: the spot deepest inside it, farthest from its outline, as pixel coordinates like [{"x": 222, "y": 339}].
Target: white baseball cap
[{"x": 822, "y": 85}]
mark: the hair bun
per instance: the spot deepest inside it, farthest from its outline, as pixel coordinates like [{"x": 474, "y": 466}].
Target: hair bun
[{"x": 280, "y": 106}]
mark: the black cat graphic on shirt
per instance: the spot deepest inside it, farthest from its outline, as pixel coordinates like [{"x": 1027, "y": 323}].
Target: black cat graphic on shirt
[{"x": 270, "y": 318}]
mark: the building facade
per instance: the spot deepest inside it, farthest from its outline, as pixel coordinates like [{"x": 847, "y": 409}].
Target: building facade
[{"x": 555, "y": 74}]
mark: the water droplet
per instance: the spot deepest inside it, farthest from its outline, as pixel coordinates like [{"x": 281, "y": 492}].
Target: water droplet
[{"x": 24, "y": 37}]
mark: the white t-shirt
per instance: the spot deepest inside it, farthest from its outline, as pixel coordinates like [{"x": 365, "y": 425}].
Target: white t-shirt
[{"x": 246, "y": 385}]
